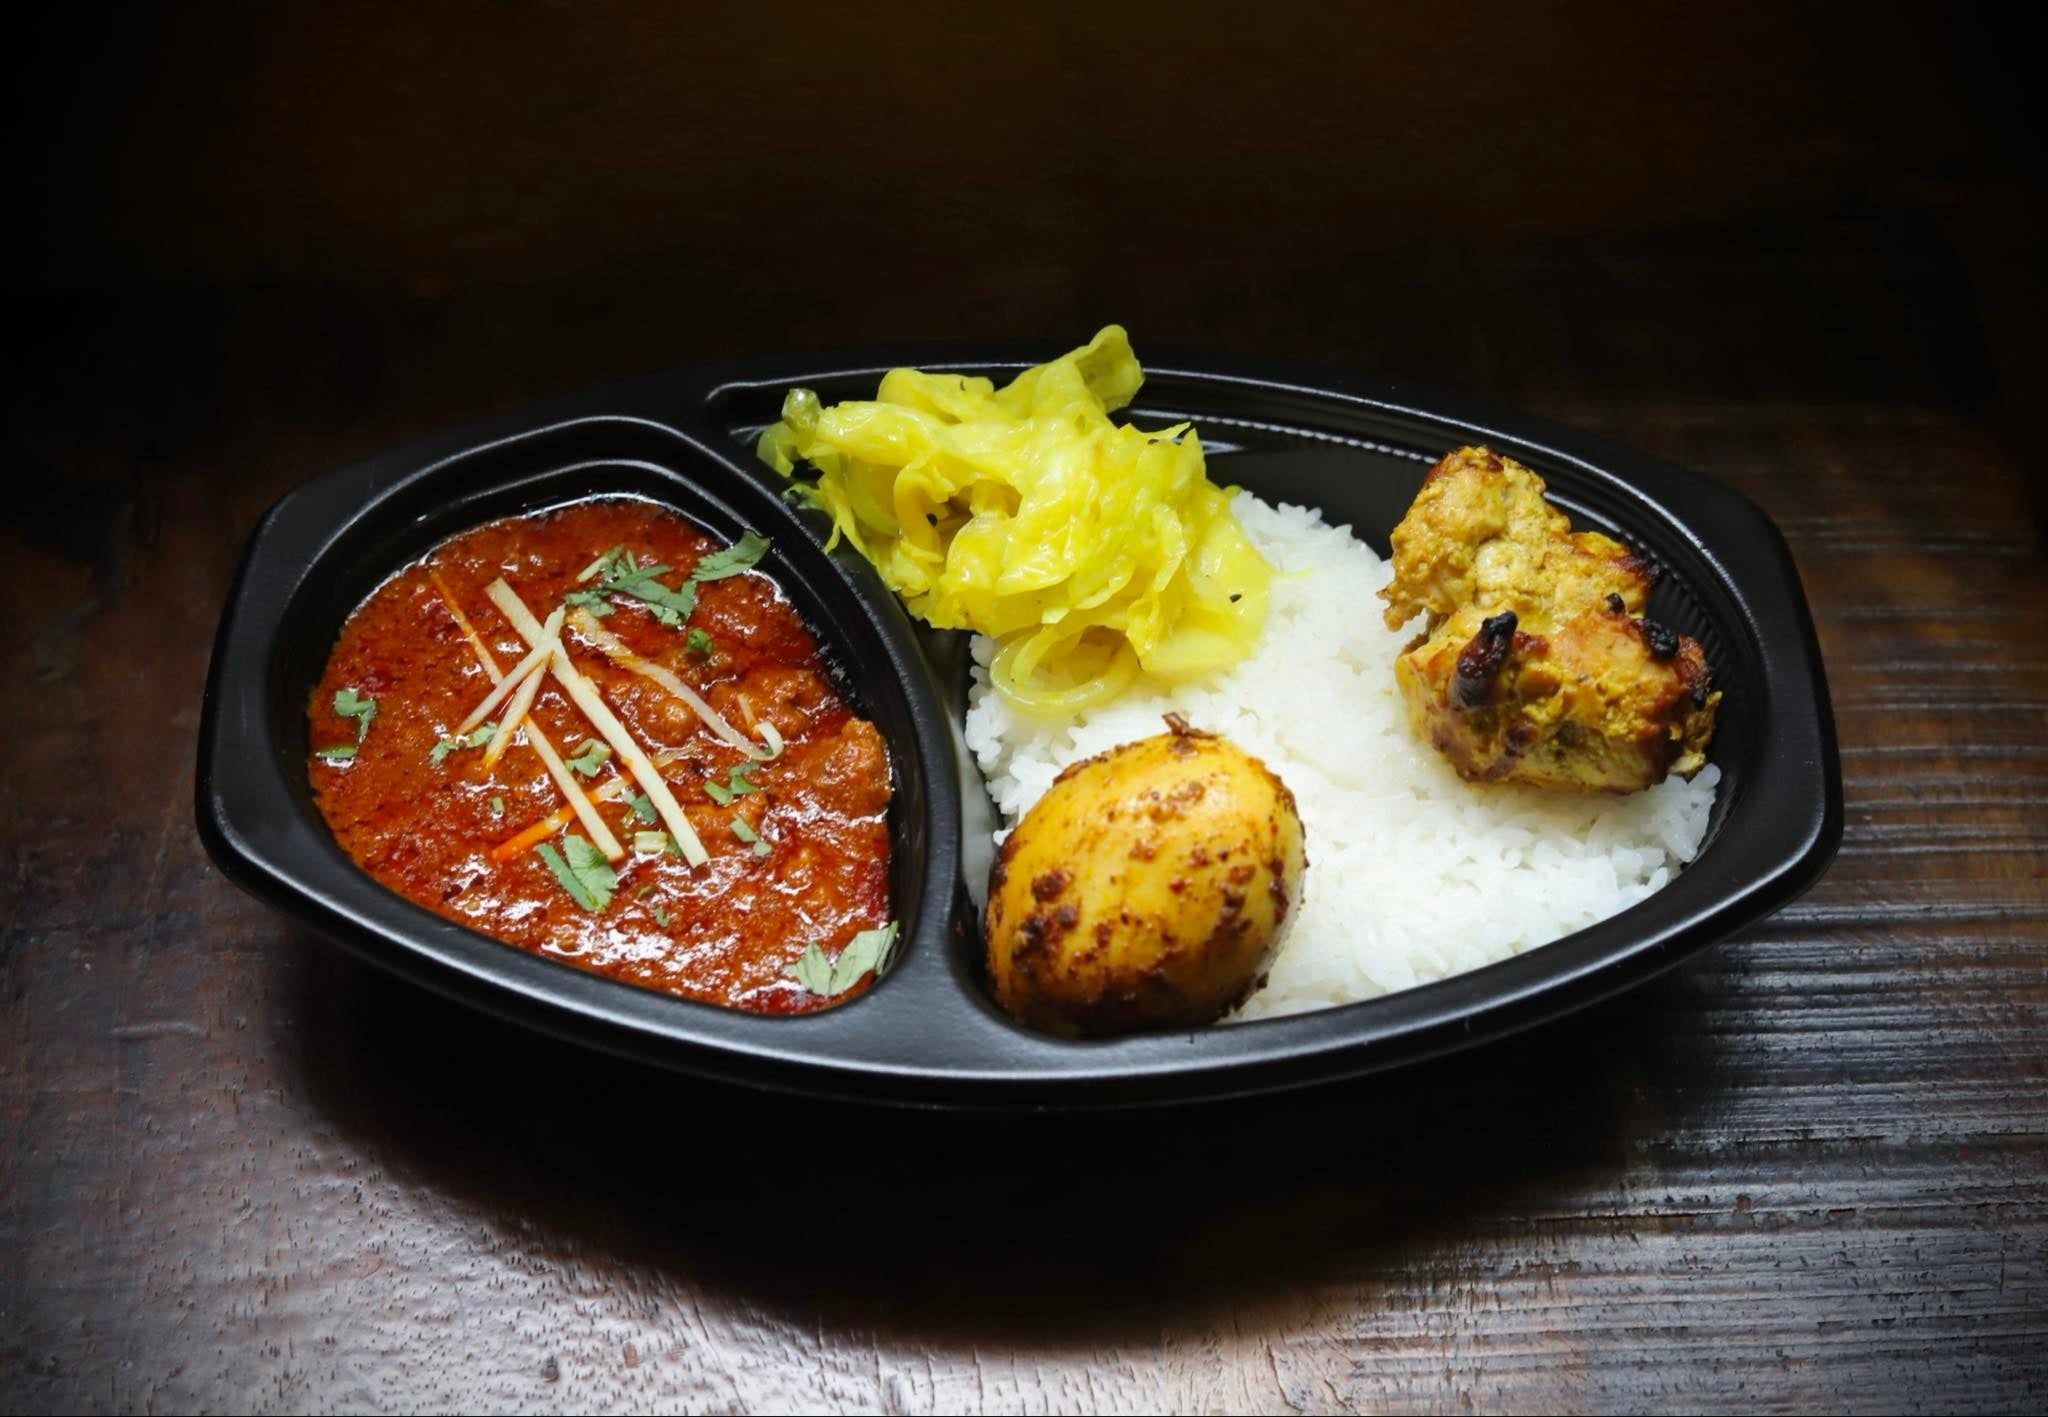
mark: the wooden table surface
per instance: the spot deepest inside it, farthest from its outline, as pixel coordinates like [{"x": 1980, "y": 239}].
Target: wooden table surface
[{"x": 239, "y": 1171}]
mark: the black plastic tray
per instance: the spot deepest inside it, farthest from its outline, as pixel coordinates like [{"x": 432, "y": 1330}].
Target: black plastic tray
[{"x": 929, "y": 1034}]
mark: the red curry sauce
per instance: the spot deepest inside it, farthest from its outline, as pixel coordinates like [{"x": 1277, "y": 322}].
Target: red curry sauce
[{"x": 732, "y": 926}]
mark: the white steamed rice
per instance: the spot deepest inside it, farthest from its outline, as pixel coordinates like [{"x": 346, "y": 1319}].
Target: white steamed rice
[{"x": 1413, "y": 874}]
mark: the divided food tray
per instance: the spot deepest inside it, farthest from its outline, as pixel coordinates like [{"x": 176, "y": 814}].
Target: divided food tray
[{"x": 928, "y": 1033}]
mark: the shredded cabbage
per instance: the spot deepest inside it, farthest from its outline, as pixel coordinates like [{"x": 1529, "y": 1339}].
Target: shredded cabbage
[{"x": 1090, "y": 550}]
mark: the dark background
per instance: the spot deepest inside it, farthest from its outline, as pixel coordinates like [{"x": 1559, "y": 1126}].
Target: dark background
[
  {"x": 378, "y": 215},
  {"x": 1800, "y": 251}
]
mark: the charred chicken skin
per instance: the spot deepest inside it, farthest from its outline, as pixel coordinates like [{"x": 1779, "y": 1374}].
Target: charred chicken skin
[{"x": 1535, "y": 663}]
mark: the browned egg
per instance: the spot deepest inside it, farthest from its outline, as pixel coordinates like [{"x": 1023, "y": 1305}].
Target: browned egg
[{"x": 1146, "y": 889}]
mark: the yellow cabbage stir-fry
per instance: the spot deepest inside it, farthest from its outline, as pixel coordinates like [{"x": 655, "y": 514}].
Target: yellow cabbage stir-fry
[{"x": 1089, "y": 550}]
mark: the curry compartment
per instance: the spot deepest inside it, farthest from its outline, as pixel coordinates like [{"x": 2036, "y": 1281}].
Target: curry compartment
[
  {"x": 377, "y": 594},
  {"x": 770, "y": 847}
]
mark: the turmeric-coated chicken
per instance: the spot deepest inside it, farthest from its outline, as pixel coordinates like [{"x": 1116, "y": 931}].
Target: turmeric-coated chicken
[{"x": 1536, "y": 664}]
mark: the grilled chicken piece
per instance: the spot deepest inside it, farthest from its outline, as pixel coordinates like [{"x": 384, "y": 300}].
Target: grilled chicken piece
[{"x": 1535, "y": 664}]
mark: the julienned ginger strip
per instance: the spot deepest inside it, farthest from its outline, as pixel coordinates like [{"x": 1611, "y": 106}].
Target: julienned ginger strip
[
  {"x": 600, "y": 835},
  {"x": 515, "y": 714},
  {"x": 622, "y": 655},
  {"x": 507, "y": 682},
  {"x": 604, "y": 720}
]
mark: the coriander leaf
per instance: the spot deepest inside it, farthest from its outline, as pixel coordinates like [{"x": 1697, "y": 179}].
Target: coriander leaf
[
  {"x": 671, "y": 607},
  {"x": 865, "y": 951},
  {"x": 571, "y": 883},
  {"x": 475, "y": 738},
  {"x": 589, "y": 600},
  {"x": 587, "y": 858},
  {"x": 813, "y": 971},
  {"x": 341, "y": 754},
  {"x": 611, "y": 566},
  {"x": 360, "y": 707},
  {"x": 744, "y": 832},
  {"x": 738, "y": 557},
  {"x": 586, "y": 875},
  {"x": 497, "y": 806},
  {"x": 643, "y": 810},
  {"x": 597, "y": 567},
  {"x": 661, "y": 917},
  {"x": 828, "y": 978},
  {"x": 735, "y": 784},
  {"x": 760, "y": 848},
  {"x": 698, "y": 642},
  {"x": 593, "y": 755}
]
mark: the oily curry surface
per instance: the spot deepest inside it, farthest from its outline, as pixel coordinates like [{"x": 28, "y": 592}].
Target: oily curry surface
[{"x": 802, "y": 858}]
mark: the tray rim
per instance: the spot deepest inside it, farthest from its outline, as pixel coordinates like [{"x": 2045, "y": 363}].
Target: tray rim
[{"x": 1430, "y": 1019}]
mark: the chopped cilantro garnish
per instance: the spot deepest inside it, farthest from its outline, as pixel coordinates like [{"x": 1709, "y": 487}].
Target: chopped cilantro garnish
[
  {"x": 475, "y": 738},
  {"x": 586, "y": 875},
  {"x": 698, "y": 642},
  {"x": 869, "y": 950},
  {"x": 643, "y": 810},
  {"x": 596, "y": 568},
  {"x": 593, "y": 755},
  {"x": 826, "y": 977},
  {"x": 661, "y": 917},
  {"x": 338, "y": 755},
  {"x": 735, "y": 784},
  {"x": 497, "y": 806},
  {"x": 619, "y": 573},
  {"x": 671, "y": 607},
  {"x": 812, "y": 970},
  {"x": 748, "y": 835},
  {"x": 360, "y": 707},
  {"x": 738, "y": 557}
]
